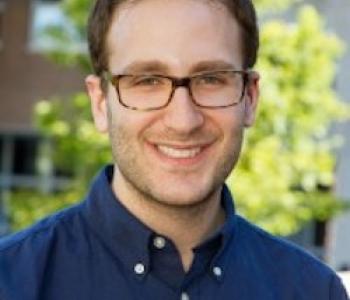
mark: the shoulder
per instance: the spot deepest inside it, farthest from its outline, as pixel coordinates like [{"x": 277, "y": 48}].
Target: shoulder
[
  {"x": 280, "y": 261},
  {"x": 40, "y": 233},
  {"x": 26, "y": 256},
  {"x": 277, "y": 248}
]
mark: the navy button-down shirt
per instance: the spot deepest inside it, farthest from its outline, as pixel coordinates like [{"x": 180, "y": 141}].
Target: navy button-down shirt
[{"x": 98, "y": 250}]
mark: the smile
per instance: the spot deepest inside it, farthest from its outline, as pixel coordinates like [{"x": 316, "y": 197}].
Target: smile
[{"x": 179, "y": 153}]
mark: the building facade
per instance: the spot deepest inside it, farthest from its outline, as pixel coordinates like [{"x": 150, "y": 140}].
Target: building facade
[{"x": 26, "y": 76}]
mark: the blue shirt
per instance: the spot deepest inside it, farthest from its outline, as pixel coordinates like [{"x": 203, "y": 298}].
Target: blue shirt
[{"x": 97, "y": 250}]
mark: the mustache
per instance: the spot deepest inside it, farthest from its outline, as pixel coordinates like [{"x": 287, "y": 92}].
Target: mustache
[{"x": 198, "y": 136}]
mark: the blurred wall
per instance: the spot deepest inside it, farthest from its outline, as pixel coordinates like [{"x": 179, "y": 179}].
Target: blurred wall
[{"x": 26, "y": 76}]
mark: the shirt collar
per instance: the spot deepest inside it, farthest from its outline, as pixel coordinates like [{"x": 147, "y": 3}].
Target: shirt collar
[{"x": 124, "y": 234}]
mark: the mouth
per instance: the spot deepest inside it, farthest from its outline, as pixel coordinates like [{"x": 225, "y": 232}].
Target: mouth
[{"x": 179, "y": 153}]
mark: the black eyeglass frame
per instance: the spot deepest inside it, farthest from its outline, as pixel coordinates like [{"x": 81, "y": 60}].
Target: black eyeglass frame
[{"x": 178, "y": 82}]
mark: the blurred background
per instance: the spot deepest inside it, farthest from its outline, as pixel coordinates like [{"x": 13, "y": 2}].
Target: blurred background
[{"x": 294, "y": 176}]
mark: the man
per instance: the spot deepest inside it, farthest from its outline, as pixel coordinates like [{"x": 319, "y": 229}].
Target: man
[{"x": 174, "y": 90}]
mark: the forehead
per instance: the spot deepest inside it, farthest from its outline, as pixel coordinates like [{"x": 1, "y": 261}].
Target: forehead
[{"x": 178, "y": 33}]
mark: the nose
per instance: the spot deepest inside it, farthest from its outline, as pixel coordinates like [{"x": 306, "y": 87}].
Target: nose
[{"x": 182, "y": 115}]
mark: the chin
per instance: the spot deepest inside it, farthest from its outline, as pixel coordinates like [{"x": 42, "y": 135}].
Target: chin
[{"x": 179, "y": 197}]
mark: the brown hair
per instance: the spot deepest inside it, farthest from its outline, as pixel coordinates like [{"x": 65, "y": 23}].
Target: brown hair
[{"x": 103, "y": 11}]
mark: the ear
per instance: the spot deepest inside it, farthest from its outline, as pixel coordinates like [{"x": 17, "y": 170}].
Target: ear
[
  {"x": 98, "y": 102},
  {"x": 251, "y": 99}
]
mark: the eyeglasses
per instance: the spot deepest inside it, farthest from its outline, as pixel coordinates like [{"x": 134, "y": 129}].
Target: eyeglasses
[{"x": 216, "y": 89}]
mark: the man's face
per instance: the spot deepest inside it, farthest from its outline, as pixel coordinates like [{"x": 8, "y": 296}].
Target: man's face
[{"x": 179, "y": 155}]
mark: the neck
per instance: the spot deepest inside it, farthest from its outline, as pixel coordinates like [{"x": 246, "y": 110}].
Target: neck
[{"x": 186, "y": 226}]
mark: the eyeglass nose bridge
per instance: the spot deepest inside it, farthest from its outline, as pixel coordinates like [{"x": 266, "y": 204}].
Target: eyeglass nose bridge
[{"x": 182, "y": 82}]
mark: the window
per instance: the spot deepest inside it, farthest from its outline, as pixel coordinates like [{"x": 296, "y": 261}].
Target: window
[
  {"x": 48, "y": 14},
  {"x": 320, "y": 233},
  {"x": 312, "y": 237},
  {"x": 25, "y": 150},
  {"x": 19, "y": 157},
  {"x": 1, "y": 155}
]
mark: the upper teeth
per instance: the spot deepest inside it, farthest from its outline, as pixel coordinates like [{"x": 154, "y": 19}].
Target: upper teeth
[{"x": 179, "y": 153}]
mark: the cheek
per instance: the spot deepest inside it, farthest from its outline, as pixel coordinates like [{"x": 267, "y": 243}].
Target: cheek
[
  {"x": 232, "y": 130},
  {"x": 230, "y": 121},
  {"x": 127, "y": 126}
]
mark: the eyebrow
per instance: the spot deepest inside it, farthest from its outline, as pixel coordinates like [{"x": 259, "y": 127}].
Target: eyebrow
[
  {"x": 212, "y": 65},
  {"x": 153, "y": 66},
  {"x": 156, "y": 66}
]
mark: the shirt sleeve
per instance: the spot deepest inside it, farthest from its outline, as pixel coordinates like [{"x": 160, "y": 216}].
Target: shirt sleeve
[{"x": 337, "y": 291}]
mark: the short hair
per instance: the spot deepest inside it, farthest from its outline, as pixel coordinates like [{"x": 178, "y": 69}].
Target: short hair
[{"x": 102, "y": 14}]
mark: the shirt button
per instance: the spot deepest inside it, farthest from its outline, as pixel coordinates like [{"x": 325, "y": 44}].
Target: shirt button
[
  {"x": 185, "y": 296},
  {"x": 139, "y": 269},
  {"x": 217, "y": 271},
  {"x": 159, "y": 242}
]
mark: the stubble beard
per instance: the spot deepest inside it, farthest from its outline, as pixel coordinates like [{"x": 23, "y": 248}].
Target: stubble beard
[{"x": 143, "y": 187}]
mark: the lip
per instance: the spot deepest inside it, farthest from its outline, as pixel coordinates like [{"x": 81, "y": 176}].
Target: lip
[
  {"x": 175, "y": 152},
  {"x": 193, "y": 160}
]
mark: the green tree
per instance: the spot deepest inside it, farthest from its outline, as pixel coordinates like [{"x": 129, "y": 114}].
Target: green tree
[{"x": 286, "y": 173}]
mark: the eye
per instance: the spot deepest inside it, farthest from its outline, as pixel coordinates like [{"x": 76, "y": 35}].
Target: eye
[
  {"x": 147, "y": 80},
  {"x": 210, "y": 79}
]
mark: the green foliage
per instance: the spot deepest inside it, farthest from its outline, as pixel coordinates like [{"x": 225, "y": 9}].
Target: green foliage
[
  {"x": 274, "y": 6},
  {"x": 287, "y": 169},
  {"x": 70, "y": 45},
  {"x": 27, "y": 207},
  {"x": 79, "y": 148},
  {"x": 286, "y": 172}
]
